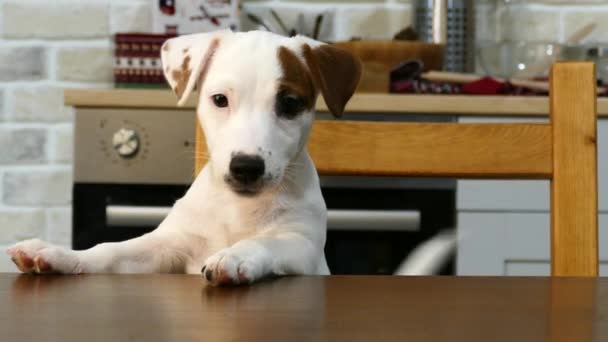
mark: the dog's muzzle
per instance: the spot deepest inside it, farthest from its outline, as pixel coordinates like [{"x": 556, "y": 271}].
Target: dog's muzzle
[{"x": 246, "y": 173}]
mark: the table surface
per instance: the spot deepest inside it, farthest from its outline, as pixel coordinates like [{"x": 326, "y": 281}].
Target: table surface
[{"x": 337, "y": 308}]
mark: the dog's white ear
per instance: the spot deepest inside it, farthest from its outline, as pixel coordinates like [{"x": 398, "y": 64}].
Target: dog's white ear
[
  {"x": 185, "y": 60},
  {"x": 336, "y": 72}
]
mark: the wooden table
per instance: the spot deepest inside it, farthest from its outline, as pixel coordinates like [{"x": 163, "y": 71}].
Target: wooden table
[{"x": 338, "y": 308}]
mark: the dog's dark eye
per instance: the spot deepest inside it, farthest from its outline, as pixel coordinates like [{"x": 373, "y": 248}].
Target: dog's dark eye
[
  {"x": 289, "y": 106},
  {"x": 220, "y": 100}
]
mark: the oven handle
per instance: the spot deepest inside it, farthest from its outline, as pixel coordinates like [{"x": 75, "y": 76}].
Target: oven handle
[{"x": 337, "y": 219}]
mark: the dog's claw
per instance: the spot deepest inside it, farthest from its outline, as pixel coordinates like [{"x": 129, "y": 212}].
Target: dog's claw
[{"x": 41, "y": 266}]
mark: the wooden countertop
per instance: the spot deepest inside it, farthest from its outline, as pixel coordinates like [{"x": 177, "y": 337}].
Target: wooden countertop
[
  {"x": 388, "y": 103},
  {"x": 336, "y": 308}
]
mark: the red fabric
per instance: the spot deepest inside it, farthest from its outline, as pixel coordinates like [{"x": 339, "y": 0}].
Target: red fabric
[{"x": 484, "y": 86}]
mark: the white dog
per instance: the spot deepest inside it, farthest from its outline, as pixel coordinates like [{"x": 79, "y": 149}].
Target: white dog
[{"x": 256, "y": 208}]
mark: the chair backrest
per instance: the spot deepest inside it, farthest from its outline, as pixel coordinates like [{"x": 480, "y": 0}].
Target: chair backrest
[{"x": 563, "y": 150}]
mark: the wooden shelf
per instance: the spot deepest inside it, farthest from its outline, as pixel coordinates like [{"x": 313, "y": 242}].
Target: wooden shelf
[{"x": 363, "y": 102}]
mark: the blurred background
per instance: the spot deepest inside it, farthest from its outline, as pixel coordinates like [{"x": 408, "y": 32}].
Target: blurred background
[{"x": 47, "y": 46}]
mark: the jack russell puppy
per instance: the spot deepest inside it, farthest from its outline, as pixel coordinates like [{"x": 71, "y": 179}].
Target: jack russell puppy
[{"x": 256, "y": 208}]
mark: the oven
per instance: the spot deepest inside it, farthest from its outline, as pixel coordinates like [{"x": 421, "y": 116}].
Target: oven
[{"x": 131, "y": 165}]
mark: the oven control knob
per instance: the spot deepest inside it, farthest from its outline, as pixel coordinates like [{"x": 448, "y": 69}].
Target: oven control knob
[{"x": 126, "y": 142}]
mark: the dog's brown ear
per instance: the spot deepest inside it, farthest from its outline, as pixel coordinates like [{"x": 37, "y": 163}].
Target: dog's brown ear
[
  {"x": 185, "y": 60},
  {"x": 336, "y": 72}
]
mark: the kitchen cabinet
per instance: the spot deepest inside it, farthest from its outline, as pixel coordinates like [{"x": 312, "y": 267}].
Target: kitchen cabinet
[
  {"x": 503, "y": 226},
  {"x": 511, "y": 242}
]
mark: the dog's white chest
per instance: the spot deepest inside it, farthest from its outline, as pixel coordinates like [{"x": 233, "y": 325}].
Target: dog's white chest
[{"x": 217, "y": 220}]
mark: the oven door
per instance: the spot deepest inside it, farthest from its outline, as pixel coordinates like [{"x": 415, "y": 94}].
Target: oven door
[
  {"x": 375, "y": 249},
  {"x": 370, "y": 230},
  {"x": 89, "y": 217}
]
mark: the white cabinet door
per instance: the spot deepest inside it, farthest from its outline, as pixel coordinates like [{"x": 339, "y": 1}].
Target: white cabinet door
[
  {"x": 503, "y": 225},
  {"x": 503, "y": 243}
]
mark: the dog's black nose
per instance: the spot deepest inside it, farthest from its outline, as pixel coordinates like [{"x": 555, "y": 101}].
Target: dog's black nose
[{"x": 246, "y": 169}]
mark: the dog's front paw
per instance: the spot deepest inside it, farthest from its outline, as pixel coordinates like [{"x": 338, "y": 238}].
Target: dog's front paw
[
  {"x": 235, "y": 265},
  {"x": 36, "y": 256}
]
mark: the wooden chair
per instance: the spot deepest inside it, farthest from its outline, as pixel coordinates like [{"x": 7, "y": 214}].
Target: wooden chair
[{"x": 563, "y": 151}]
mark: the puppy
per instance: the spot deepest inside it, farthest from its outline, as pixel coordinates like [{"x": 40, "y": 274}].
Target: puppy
[{"x": 256, "y": 208}]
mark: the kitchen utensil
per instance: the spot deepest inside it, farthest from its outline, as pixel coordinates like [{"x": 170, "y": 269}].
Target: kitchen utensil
[
  {"x": 259, "y": 21},
  {"x": 381, "y": 57},
  {"x": 214, "y": 20},
  {"x": 449, "y": 22},
  {"x": 317, "y": 27},
  {"x": 279, "y": 21},
  {"x": 581, "y": 33},
  {"x": 542, "y": 65}
]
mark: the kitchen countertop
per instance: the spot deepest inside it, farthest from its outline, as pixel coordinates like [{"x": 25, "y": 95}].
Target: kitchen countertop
[
  {"x": 312, "y": 308},
  {"x": 361, "y": 102}
]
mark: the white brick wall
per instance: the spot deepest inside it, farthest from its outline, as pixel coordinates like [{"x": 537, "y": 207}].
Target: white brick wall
[
  {"x": 46, "y": 46},
  {"x": 343, "y": 20},
  {"x": 59, "y": 19},
  {"x": 549, "y": 20}
]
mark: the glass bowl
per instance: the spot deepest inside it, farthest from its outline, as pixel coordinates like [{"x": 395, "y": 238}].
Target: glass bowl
[{"x": 524, "y": 60}]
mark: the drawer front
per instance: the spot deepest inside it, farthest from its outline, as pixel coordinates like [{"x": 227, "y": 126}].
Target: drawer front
[
  {"x": 522, "y": 268},
  {"x": 502, "y": 195},
  {"x": 501, "y": 243}
]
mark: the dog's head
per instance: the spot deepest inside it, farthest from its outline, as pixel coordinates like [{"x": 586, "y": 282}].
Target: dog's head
[{"x": 257, "y": 93}]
